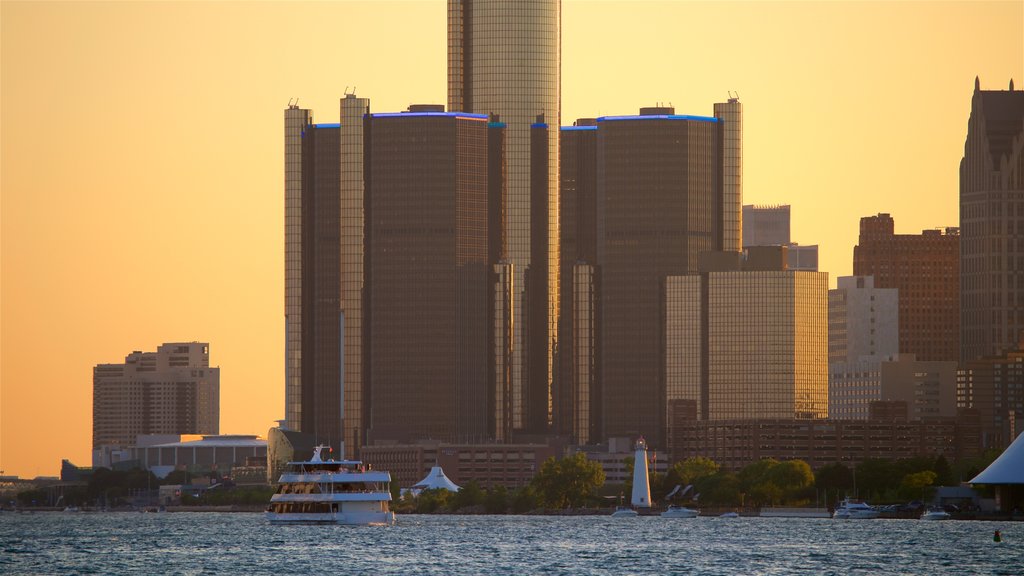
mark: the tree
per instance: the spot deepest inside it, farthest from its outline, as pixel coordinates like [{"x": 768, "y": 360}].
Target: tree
[
  {"x": 431, "y": 500},
  {"x": 943, "y": 472},
  {"x": 834, "y": 478},
  {"x": 917, "y": 485},
  {"x": 496, "y": 500},
  {"x": 569, "y": 482},
  {"x": 470, "y": 495},
  {"x": 793, "y": 477},
  {"x": 524, "y": 500}
]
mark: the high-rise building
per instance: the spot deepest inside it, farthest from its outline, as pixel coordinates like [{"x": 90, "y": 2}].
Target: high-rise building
[
  {"x": 321, "y": 353},
  {"x": 863, "y": 331},
  {"x": 170, "y": 391},
  {"x": 659, "y": 204},
  {"x": 994, "y": 386},
  {"x": 992, "y": 225},
  {"x": 769, "y": 226},
  {"x": 295, "y": 121},
  {"x": 428, "y": 277},
  {"x": 766, "y": 225},
  {"x": 577, "y": 394},
  {"x": 730, "y": 113},
  {"x": 747, "y": 338},
  {"x": 355, "y": 381},
  {"x": 504, "y": 58},
  {"x": 925, "y": 269},
  {"x": 927, "y": 387}
]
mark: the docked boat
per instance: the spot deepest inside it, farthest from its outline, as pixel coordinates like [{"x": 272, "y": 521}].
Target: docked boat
[
  {"x": 854, "y": 510},
  {"x": 730, "y": 515},
  {"x": 680, "y": 512},
  {"x": 935, "y": 514},
  {"x": 321, "y": 491},
  {"x": 624, "y": 512}
]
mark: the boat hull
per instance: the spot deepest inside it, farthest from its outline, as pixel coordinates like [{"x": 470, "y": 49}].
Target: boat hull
[
  {"x": 680, "y": 513},
  {"x": 624, "y": 514},
  {"x": 343, "y": 518},
  {"x": 935, "y": 516}
]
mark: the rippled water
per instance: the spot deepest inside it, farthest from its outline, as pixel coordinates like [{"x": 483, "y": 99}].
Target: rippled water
[{"x": 212, "y": 543}]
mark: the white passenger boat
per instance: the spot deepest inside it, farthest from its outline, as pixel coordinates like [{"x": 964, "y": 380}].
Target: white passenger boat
[
  {"x": 854, "y": 510},
  {"x": 680, "y": 512},
  {"x": 322, "y": 491},
  {"x": 935, "y": 514},
  {"x": 624, "y": 512}
]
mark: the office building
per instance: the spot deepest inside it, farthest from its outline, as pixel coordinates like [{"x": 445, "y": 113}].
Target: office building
[
  {"x": 659, "y": 204},
  {"x": 355, "y": 381},
  {"x": 428, "y": 278},
  {"x": 321, "y": 353},
  {"x": 746, "y": 339},
  {"x": 992, "y": 225},
  {"x": 994, "y": 386},
  {"x": 577, "y": 393},
  {"x": 863, "y": 331},
  {"x": 928, "y": 388},
  {"x": 769, "y": 225},
  {"x": 504, "y": 58},
  {"x": 295, "y": 122},
  {"x": 924, "y": 268},
  {"x": 885, "y": 434},
  {"x": 171, "y": 391}
]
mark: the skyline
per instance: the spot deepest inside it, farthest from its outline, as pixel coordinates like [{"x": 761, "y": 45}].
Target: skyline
[{"x": 210, "y": 147}]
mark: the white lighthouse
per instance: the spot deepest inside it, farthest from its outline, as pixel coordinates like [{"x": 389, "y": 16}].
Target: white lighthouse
[{"x": 641, "y": 482}]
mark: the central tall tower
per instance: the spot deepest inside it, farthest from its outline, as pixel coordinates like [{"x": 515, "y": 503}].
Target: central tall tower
[{"x": 504, "y": 58}]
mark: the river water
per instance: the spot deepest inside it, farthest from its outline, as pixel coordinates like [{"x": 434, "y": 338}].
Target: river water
[{"x": 239, "y": 543}]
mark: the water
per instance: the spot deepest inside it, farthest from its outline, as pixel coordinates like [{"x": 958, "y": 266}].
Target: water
[{"x": 212, "y": 543}]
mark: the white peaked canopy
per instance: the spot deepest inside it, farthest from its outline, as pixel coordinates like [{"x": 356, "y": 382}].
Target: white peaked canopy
[
  {"x": 1008, "y": 468},
  {"x": 436, "y": 479}
]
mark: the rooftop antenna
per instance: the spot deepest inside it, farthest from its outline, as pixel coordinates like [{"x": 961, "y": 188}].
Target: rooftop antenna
[{"x": 346, "y": 91}]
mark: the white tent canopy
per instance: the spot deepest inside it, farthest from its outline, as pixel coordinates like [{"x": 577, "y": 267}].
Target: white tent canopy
[
  {"x": 1007, "y": 469},
  {"x": 436, "y": 479}
]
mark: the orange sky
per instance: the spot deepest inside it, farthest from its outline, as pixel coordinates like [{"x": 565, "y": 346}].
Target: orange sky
[{"x": 141, "y": 181}]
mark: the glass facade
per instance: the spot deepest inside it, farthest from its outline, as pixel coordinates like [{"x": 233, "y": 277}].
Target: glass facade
[
  {"x": 321, "y": 286},
  {"x": 504, "y": 58},
  {"x": 730, "y": 116},
  {"x": 295, "y": 121},
  {"x": 354, "y": 401},
  {"x": 684, "y": 342},
  {"x": 658, "y": 197},
  {"x": 767, "y": 345},
  {"x": 428, "y": 278}
]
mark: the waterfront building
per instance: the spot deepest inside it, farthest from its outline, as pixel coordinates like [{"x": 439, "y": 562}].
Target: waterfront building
[
  {"x": 490, "y": 465},
  {"x": 162, "y": 454},
  {"x": 769, "y": 225},
  {"x": 321, "y": 352},
  {"x": 427, "y": 276},
  {"x": 994, "y": 386},
  {"x": 171, "y": 391},
  {"x": 504, "y": 58},
  {"x": 577, "y": 395},
  {"x": 659, "y": 204},
  {"x": 992, "y": 224},
  {"x": 886, "y": 434},
  {"x": 925, "y": 269},
  {"x": 746, "y": 338},
  {"x": 295, "y": 122},
  {"x": 863, "y": 331}
]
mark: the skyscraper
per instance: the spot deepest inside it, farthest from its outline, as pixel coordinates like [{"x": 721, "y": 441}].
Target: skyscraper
[
  {"x": 504, "y": 58},
  {"x": 321, "y": 357},
  {"x": 295, "y": 121},
  {"x": 355, "y": 382},
  {"x": 731, "y": 146},
  {"x": 428, "y": 279},
  {"x": 659, "y": 205},
  {"x": 769, "y": 226},
  {"x": 992, "y": 225},
  {"x": 924, "y": 268}
]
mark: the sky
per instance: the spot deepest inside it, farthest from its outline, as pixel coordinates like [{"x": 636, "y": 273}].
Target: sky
[{"x": 141, "y": 155}]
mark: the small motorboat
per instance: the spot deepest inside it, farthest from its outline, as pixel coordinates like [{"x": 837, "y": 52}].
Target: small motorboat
[
  {"x": 624, "y": 512},
  {"x": 854, "y": 510},
  {"x": 680, "y": 512},
  {"x": 730, "y": 515},
  {"x": 935, "y": 514}
]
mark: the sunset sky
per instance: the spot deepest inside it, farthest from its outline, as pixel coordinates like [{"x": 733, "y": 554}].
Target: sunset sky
[{"x": 141, "y": 157}]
